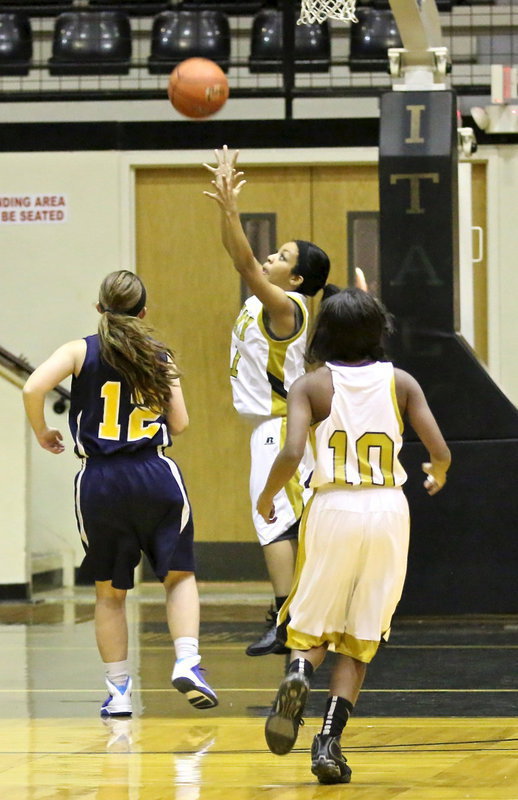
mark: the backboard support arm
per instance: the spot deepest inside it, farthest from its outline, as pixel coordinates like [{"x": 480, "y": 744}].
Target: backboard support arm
[{"x": 423, "y": 61}]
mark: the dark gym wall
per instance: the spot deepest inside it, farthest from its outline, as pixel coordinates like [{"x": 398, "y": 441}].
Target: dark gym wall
[{"x": 464, "y": 551}]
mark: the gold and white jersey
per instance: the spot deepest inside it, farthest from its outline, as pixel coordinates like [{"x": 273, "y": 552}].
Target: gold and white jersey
[
  {"x": 359, "y": 442},
  {"x": 262, "y": 368}
]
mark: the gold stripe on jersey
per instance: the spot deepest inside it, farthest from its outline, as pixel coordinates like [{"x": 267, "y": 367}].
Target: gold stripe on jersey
[
  {"x": 242, "y": 322},
  {"x": 277, "y": 350},
  {"x": 293, "y": 488},
  {"x": 361, "y": 649},
  {"x": 299, "y": 563}
]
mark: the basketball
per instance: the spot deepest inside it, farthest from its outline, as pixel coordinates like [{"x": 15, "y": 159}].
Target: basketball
[{"x": 197, "y": 88}]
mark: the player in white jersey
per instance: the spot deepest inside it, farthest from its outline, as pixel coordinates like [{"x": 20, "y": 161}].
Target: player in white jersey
[
  {"x": 354, "y": 533},
  {"x": 267, "y": 355}
]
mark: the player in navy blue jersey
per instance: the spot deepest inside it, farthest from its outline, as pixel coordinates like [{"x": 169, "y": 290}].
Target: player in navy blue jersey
[{"x": 126, "y": 402}]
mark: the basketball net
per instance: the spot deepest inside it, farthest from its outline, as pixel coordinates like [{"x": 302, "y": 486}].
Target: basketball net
[{"x": 320, "y": 10}]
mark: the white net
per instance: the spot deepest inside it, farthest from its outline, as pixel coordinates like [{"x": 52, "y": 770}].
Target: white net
[{"x": 319, "y": 10}]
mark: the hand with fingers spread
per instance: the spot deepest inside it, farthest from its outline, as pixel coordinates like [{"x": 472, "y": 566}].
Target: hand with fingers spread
[
  {"x": 226, "y": 176},
  {"x": 225, "y": 161},
  {"x": 226, "y": 191}
]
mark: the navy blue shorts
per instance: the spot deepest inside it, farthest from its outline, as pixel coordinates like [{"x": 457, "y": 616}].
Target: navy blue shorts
[{"x": 129, "y": 504}]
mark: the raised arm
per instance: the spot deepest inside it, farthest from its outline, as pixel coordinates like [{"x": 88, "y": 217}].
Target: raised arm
[
  {"x": 288, "y": 460},
  {"x": 65, "y": 361},
  {"x": 227, "y": 185},
  {"x": 412, "y": 402}
]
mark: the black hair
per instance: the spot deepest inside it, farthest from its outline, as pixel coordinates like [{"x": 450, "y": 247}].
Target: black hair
[
  {"x": 350, "y": 326},
  {"x": 313, "y": 265}
]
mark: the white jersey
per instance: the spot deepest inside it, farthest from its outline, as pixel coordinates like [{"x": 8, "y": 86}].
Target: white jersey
[
  {"x": 359, "y": 442},
  {"x": 262, "y": 368}
]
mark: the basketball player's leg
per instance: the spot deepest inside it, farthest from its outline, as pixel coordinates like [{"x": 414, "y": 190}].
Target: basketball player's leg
[
  {"x": 101, "y": 530},
  {"x": 280, "y": 556},
  {"x": 327, "y": 760},
  {"x": 111, "y": 633},
  {"x": 182, "y": 604},
  {"x": 278, "y": 540},
  {"x": 347, "y": 677},
  {"x": 285, "y": 717},
  {"x": 169, "y": 546},
  {"x": 111, "y": 555},
  {"x": 111, "y": 627},
  {"x": 183, "y": 619}
]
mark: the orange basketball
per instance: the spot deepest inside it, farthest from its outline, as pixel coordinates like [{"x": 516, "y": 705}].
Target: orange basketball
[{"x": 197, "y": 88}]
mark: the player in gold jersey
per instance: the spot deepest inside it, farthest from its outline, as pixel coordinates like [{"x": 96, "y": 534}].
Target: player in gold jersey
[{"x": 354, "y": 533}]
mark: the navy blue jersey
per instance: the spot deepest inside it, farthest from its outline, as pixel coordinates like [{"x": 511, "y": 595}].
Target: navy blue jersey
[{"x": 103, "y": 418}]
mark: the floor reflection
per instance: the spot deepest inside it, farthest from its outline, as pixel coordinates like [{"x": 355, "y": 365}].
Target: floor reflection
[{"x": 436, "y": 720}]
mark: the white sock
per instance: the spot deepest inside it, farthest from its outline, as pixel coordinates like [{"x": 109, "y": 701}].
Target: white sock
[
  {"x": 185, "y": 647},
  {"x": 117, "y": 671}
]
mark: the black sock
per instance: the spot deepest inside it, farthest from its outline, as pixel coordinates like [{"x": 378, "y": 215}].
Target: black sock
[
  {"x": 302, "y": 665},
  {"x": 338, "y": 710},
  {"x": 279, "y": 601}
]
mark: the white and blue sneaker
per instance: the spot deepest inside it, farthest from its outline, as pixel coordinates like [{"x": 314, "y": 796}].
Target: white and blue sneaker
[
  {"x": 118, "y": 702},
  {"x": 188, "y": 679}
]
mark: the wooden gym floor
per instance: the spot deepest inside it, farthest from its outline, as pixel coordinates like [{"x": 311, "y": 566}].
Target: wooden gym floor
[{"x": 437, "y": 719}]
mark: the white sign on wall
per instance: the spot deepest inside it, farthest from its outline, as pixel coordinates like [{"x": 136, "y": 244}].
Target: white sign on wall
[{"x": 30, "y": 208}]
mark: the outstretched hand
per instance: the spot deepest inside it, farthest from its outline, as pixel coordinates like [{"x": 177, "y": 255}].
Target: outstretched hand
[
  {"x": 226, "y": 177},
  {"x": 52, "y": 440},
  {"x": 226, "y": 162}
]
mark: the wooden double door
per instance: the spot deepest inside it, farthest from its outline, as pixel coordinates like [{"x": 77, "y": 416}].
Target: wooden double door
[{"x": 195, "y": 295}]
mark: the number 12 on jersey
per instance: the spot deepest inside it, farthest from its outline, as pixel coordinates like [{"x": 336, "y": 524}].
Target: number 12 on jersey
[{"x": 142, "y": 423}]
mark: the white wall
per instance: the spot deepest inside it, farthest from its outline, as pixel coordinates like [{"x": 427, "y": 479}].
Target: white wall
[
  {"x": 51, "y": 272},
  {"x": 50, "y": 276},
  {"x": 503, "y": 265},
  {"x": 13, "y": 483}
]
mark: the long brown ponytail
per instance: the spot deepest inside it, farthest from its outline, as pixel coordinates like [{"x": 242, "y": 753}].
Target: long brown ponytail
[{"x": 128, "y": 344}]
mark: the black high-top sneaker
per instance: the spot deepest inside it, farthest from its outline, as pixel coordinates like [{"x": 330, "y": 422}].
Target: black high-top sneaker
[
  {"x": 268, "y": 642},
  {"x": 327, "y": 760},
  {"x": 285, "y": 717}
]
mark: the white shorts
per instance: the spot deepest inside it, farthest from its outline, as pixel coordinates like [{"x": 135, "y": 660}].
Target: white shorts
[
  {"x": 266, "y": 441},
  {"x": 351, "y": 567}
]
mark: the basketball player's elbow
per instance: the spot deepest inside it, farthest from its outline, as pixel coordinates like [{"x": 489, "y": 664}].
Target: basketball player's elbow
[
  {"x": 178, "y": 425},
  {"x": 33, "y": 392},
  {"x": 292, "y": 455}
]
